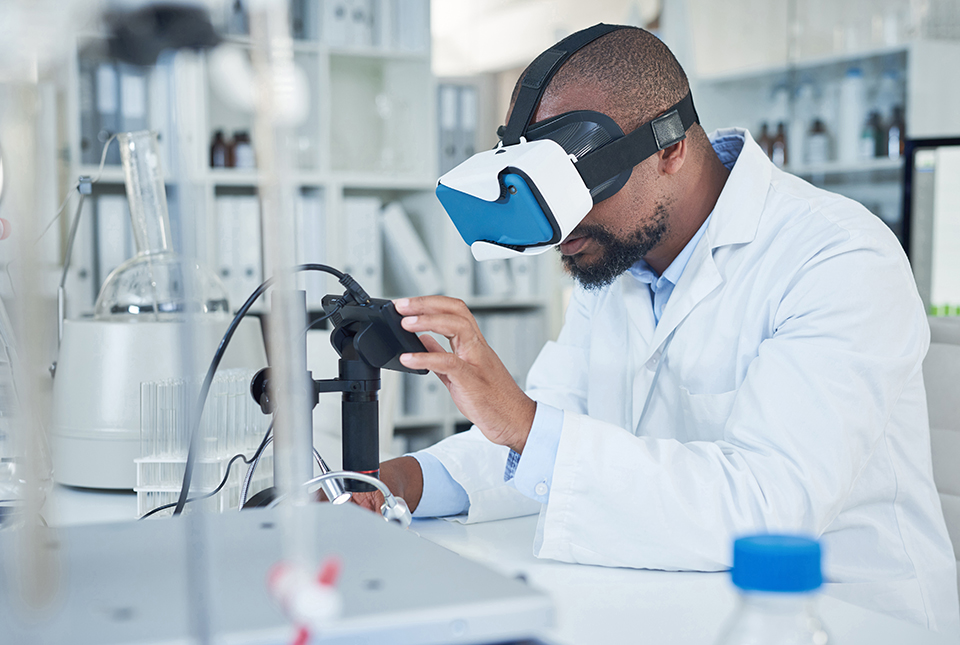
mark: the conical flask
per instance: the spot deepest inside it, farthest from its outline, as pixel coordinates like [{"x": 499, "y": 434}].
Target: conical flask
[{"x": 155, "y": 284}]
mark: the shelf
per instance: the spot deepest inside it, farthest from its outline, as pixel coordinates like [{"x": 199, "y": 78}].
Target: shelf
[
  {"x": 804, "y": 65},
  {"x": 385, "y": 179},
  {"x": 417, "y": 422},
  {"x": 299, "y": 45},
  {"x": 498, "y": 302},
  {"x": 843, "y": 168},
  {"x": 110, "y": 175},
  {"x": 379, "y": 53}
]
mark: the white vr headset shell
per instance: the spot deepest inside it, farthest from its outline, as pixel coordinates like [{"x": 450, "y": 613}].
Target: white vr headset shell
[{"x": 562, "y": 192}]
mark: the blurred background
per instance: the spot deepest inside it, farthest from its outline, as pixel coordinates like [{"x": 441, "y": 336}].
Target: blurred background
[{"x": 380, "y": 97}]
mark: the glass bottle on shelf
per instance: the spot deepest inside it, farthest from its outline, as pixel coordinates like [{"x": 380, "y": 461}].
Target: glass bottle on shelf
[
  {"x": 218, "y": 151},
  {"x": 871, "y": 136},
  {"x": 778, "y": 147},
  {"x": 764, "y": 140},
  {"x": 242, "y": 150},
  {"x": 895, "y": 136}
]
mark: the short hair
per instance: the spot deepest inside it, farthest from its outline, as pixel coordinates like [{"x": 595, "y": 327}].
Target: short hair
[{"x": 639, "y": 75}]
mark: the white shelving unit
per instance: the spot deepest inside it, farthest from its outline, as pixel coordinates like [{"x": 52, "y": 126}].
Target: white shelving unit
[
  {"x": 746, "y": 99},
  {"x": 370, "y": 138}
]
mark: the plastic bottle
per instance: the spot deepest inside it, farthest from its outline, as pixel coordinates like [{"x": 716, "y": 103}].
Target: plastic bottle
[
  {"x": 777, "y": 577},
  {"x": 850, "y": 115},
  {"x": 242, "y": 150},
  {"x": 818, "y": 143},
  {"x": 804, "y": 109},
  {"x": 895, "y": 134}
]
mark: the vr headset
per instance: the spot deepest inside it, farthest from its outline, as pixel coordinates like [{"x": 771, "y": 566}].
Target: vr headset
[{"x": 527, "y": 194}]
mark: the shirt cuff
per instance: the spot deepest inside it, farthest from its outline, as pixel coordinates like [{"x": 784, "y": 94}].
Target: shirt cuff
[
  {"x": 532, "y": 473},
  {"x": 442, "y": 495}
]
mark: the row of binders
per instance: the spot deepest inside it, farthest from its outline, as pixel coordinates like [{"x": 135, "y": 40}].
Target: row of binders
[
  {"x": 382, "y": 247},
  {"x": 515, "y": 336},
  {"x": 116, "y": 97},
  {"x": 457, "y": 109}
]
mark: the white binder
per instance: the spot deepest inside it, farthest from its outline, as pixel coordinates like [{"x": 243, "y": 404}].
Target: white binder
[
  {"x": 449, "y": 120},
  {"x": 362, "y": 246},
  {"x": 407, "y": 263},
  {"x": 114, "y": 234},
  {"x": 133, "y": 99},
  {"x": 336, "y": 22},
  {"x": 450, "y": 253},
  {"x": 360, "y": 23},
  {"x": 492, "y": 279},
  {"x": 81, "y": 286},
  {"x": 226, "y": 241},
  {"x": 311, "y": 240},
  {"x": 248, "y": 254},
  {"x": 523, "y": 270},
  {"x": 108, "y": 109}
]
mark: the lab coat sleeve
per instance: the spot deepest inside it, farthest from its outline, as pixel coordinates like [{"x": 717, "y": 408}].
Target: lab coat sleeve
[
  {"x": 849, "y": 333},
  {"x": 478, "y": 465}
]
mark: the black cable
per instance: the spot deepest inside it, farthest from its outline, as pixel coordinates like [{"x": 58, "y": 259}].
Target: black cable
[
  {"x": 226, "y": 475},
  {"x": 354, "y": 290}
]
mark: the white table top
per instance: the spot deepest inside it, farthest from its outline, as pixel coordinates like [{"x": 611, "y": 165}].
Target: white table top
[
  {"x": 593, "y": 604},
  {"x": 610, "y": 605}
]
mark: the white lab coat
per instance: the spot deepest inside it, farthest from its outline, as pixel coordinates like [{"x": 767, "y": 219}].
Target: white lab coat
[{"x": 789, "y": 399}]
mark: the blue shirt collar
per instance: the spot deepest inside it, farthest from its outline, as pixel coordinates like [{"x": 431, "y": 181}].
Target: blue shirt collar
[{"x": 727, "y": 144}]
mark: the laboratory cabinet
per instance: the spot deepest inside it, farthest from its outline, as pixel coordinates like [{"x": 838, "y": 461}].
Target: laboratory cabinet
[
  {"x": 843, "y": 118},
  {"x": 364, "y": 164}
]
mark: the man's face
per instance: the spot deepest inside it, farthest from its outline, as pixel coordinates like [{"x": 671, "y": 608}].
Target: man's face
[{"x": 620, "y": 230}]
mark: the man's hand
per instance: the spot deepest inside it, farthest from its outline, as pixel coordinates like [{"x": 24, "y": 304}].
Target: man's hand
[
  {"x": 480, "y": 385},
  {"x": 404, "y": 479}
]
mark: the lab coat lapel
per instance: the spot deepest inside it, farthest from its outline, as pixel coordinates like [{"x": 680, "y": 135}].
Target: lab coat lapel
[
  {"x": 735, "y": 220},
  {"x": 698, "y": 280},
  {"x": 641, "y": 329}
]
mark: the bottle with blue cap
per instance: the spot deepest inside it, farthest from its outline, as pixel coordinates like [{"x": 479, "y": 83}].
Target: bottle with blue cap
[{"x": 778, "y": 578}]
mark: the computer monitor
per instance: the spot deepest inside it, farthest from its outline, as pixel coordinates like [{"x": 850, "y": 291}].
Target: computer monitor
[{"x": 931, "y": 220}]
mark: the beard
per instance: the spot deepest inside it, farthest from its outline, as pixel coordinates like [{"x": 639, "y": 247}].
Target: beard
[{"x": 617, "y": 255}]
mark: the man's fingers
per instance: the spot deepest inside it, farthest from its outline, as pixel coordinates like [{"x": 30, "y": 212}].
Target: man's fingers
[
  {"x": 449, "y": 325},
  {"x": 432, "y": 344},
  {"x": 430, "y": 305},
  {"x": 441, "y": 364}
]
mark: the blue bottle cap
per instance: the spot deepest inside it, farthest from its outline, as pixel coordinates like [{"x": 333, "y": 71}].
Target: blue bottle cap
[{"x": 781, "y": 563}]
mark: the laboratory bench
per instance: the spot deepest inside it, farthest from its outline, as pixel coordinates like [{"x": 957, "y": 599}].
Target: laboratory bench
[{"x": 591, "y": 604}]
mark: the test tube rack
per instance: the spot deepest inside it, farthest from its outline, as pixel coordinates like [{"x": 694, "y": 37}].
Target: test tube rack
[{"x": 231, "y": 423}]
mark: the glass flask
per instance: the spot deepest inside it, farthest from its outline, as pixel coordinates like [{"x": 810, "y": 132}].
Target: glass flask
[{"x": 156, "y": 282}]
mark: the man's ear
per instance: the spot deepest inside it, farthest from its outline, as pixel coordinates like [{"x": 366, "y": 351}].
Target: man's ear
[{"x": 671, "y": 158}]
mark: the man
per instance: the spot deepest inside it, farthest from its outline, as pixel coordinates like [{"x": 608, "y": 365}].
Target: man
[{"x": 743, "y": 355}]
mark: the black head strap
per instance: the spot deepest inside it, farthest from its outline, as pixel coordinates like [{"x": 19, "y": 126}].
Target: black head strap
[
  {"x": 538, "y": 76},
  {"x": 626, "y": 152}
]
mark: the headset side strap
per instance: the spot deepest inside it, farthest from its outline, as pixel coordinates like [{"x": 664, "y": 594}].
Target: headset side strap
[{"x": 662, "y": 132}]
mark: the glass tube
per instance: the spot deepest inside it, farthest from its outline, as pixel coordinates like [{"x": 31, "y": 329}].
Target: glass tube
[{"x": 146, "y": 193}]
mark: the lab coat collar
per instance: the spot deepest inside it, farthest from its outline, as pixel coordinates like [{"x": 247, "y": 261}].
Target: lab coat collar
[
  {"x": 734, "y": 220},
  {"x": 736, "y": 215}
]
